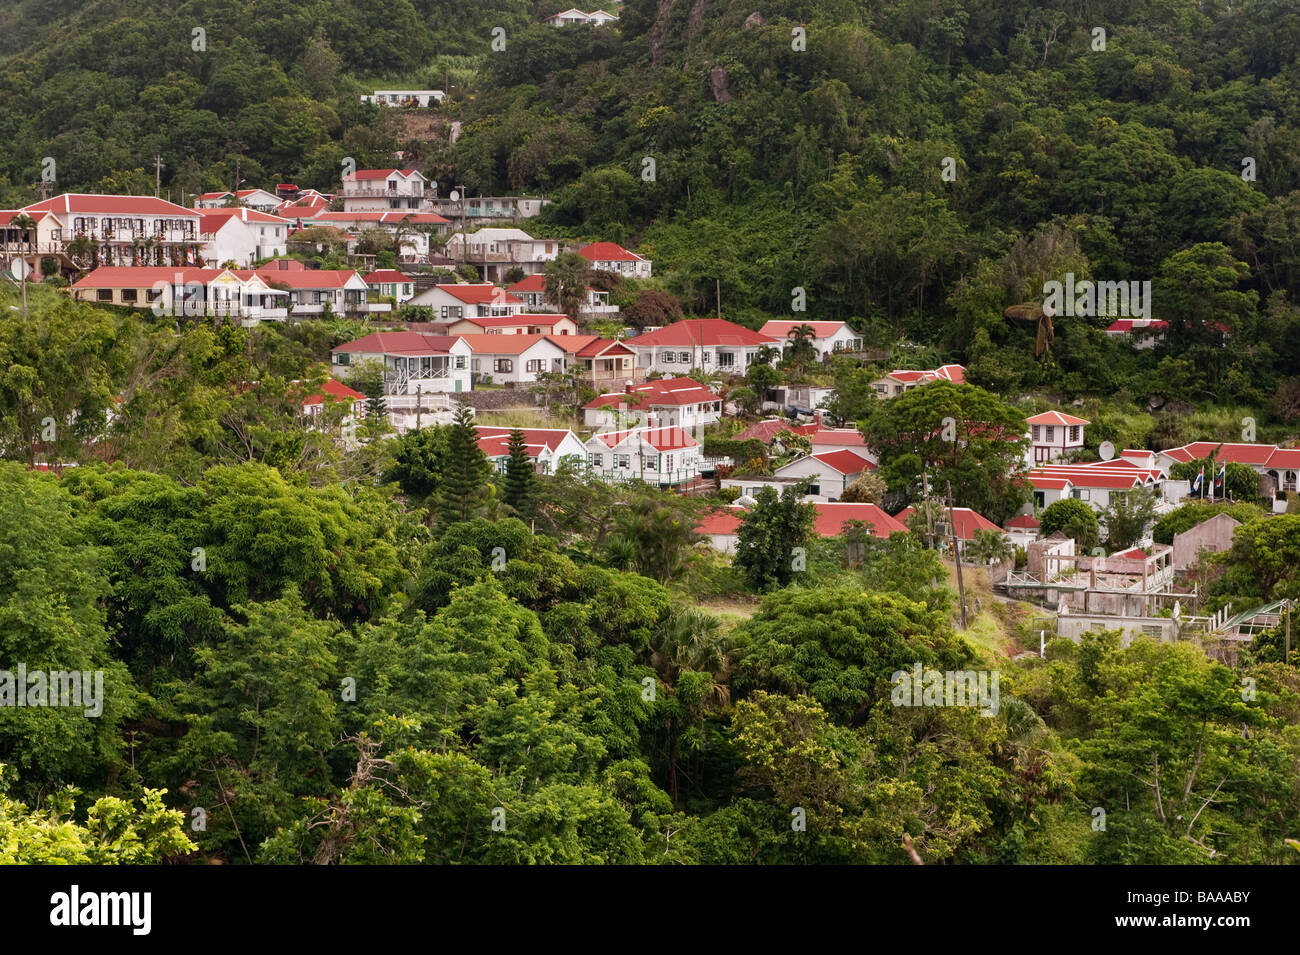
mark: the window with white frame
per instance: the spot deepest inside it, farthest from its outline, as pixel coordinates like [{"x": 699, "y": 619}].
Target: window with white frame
[
  {"x": 535, "y": 364},
  {"x": 1074, "y": 434},
  {"x": 596, "y": 460},
  {"x": 1081, "y": 494},
  {"x": 622, "y": 460},
  {"x": 1051, "y": 434},
  {"x": 503, "y": 366}
]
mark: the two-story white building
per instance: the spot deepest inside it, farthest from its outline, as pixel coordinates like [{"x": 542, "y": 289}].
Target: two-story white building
[
  {"x": 712, "y": 344},
  {"x": 674, "y": 402},
  {"x": 533, "y": 291},
  {"x": 495, "y": 252},
  {"x": 828, "y": 473},
  {"x": 86, "y": 230},
  {"x": 1053, "y": 435},
  {"x": 385, "y": 190},
  {"x": 243, "y": 236}
]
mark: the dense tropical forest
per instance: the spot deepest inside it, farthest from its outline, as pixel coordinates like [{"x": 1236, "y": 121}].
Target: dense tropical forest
[{"x": 383, "y": 651}]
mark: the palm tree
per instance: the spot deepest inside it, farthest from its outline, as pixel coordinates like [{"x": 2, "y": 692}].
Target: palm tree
[
  {"x": 28, "y": 226},
  {"x": 567, "y": 278},
  {"x": 1031, "y": 312},
  {"x": 800, "y": 351},
  {"x": 989, "y": 546}
]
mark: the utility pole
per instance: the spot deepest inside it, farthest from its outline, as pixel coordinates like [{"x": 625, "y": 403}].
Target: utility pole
[
  {"x": 961, "y": 590},
  {"x": 1286, "y": 649},
  {"x": 718, "y": 289},
  {"x": 157, "y": 173}
]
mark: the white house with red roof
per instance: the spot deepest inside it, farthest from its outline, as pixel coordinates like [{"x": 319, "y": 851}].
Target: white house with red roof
[
  {"x": 1280, "y": 466},
  {"x": 612, "y": 257},
  {"x": 770, "y": 429},
  {"x": 674, "y": 402},
  {"x": 252, "y": 198},
  {"x": 548, "y": 448},
  {"x": 335, "y": 392},
  {"x": 414, "y": 363},
  {"x": 722, "y": 526},
  {"x": 126, "y": 230},
  {"x": 386, "y": 190},
  {"x": 532, "y": 290},
  {"x": 1053, "y": 435},
  {"x": 840, "y": 439},
  {"x": 495, "y": 251},
  {"x": 828, "y": 337},
  {"x": 302, "y": 208},
  {"x": 185, "y": 292},
  {"x": 897, "y": 382},
  {"x": 311, "y": 291},
  {"x": 1023, "y": 529},
  {"x": 1142, "y": 333},
  {"x": 1098, "y": 483},
  {"x": 668, "y": 457},
  {"x": 712, "y": 344},
  {"x": 390, "y": 283},
  {"x": 600, "y": 362},
  {"x": 514, "y": 359},
  {"x": 466, "y": 300},
  {"x": 411, "y": 229},
  {"x": 828, "y": 473},
  {"x": 242, "y": 236}
]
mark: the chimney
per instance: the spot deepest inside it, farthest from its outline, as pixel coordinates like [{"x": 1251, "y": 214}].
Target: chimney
[
  {"x": 651, "y": 420},
  {"x": 627, "y": 387}
]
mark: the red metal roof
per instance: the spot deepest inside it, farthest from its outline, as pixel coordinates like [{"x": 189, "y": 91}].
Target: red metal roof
[
  {"x": 845, "y": 462},
  {"x": 661, "y": 392},
  {"x": 484, "y": 293},
  {"x": 608, "y": 252},
  {"x": 661, "y": 439},
  {"x": 706, "y": 332},
  {"x": 95, "y": 204},
  {"x": 144, "y": 276},
  {"x": 829, "y": 521},
  {"x": 782, "y": 329},
  {"x": 504, "y": 344},
  {"x": 495, "y": 442},
  {"x": 400, "y": 343},
  {"x": 846, "y": 437},
  {"x": 338, "y": 390},
  {"x": 1056, "y": 418}
]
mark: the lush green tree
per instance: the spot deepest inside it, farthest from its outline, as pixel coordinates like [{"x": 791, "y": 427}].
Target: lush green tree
[
  {"x": 1073, "y": 518},
  {"x": 521, "y": 479},
  {"x": 465, "y": 470},
  {"x": 771, "y": 545},
  {"x": 1127, "y": 517},
  {"x": 953, "y": 434}
]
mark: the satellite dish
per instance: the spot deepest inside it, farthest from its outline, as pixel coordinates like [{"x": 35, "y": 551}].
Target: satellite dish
[
  {"x": 19, "y": 269},
  {"x": 454, "y": 196},
  {"x": 745, "y": 501},
  {"x": 1107, "y": 450}
]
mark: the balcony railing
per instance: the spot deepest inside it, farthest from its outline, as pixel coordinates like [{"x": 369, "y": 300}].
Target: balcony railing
[{"x": 371, "y": 192}]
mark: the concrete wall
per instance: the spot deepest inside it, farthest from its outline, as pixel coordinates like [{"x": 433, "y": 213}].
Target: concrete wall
[{"x": 1212, "y": 535}]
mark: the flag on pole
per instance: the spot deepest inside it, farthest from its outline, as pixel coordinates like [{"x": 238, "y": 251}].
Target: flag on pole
[
  {"x": 1223, "y": 476},
  {"x": 1196, "y": 485}
]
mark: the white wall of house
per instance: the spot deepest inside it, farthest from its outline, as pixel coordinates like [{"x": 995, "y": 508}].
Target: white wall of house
[
  {"x": 447, "y": 307},
  {"x": 521, "y": 368},
  {"x": 680, "y": 359},
  {"x": 633, "y": 457},
  {"x": 827, "y": 483},
  {"x": 1050, "y": 442},
  {"x": 426, "y": 374}
]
